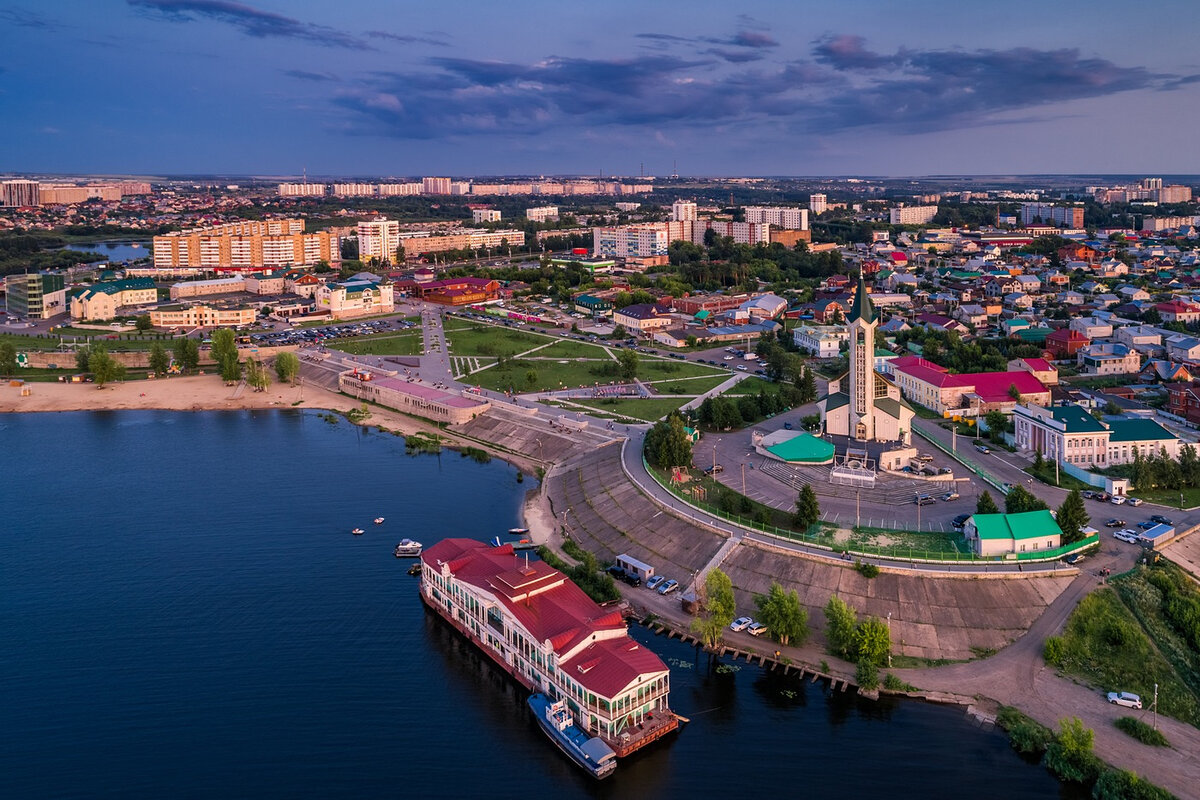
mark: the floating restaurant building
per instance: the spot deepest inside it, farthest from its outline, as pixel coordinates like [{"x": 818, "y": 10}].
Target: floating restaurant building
[{"x": 541, "y": 629}]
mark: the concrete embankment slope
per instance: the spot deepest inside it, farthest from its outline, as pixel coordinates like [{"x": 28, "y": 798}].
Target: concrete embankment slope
[{"x": 953, "y": 616}]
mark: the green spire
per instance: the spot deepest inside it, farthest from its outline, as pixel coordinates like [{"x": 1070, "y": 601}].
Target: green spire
[{"x": 863, "y": 308}]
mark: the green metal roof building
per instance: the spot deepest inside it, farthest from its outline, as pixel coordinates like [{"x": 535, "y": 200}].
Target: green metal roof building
[{"x": 1001, "y": 534}]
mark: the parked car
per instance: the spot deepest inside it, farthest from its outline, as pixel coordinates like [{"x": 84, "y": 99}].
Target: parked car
[
  {"x": 668, "y": 587},
  {"x": 1160, "y": 519},
  {"x": 960, "y": 520},
  {"x": 654, "y": 581},
  {"x": 740, "y": 624},
  {"x": 632, "y": 579},
  {"x": 1127, "y": 699},
  {"x": 945, "y": 471},
  {"x": 1074, "y": 558},
  {"x": 1117, "y": 500},
  {"x": 756, "y": 629},
  {"x": 1147, "y": 524},
  {"x": 948, "y": 496},
  {"x": 1115, "y": 523},
  {"x": 1126, "y": 536},
  {"x": 1135, "y": 501},
  {"x": 923, "y": 500},
  {"x": 1087, "y": 494},
  {"x": 983, "y": 448},
  {"x": 715, "y": 469}
]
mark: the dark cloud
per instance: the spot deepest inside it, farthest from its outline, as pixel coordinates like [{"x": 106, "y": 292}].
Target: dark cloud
[
  {"x": 316, "y": 77},
  {"x": 250, "y": 21},
  {"x": 752, "y": 39},
  {"x": 27, "y": 19},
  {"x": 749, "y": 39},
  {"x": 844, "y": 86},
  {"x": 396, "y": 37}
]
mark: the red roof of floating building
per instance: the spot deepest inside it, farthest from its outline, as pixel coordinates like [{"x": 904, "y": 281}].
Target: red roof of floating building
[{"x": 592, "y": 643}]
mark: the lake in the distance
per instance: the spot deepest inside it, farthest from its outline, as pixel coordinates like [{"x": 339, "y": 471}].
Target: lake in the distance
[
  {"x": 115, "y": 251},
  {"x": 186, "y": 614}
]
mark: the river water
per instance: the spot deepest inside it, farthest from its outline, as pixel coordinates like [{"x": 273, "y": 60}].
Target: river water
[
  {"x": 115, "y": 251},
  {"x": 185, "y": 613}
]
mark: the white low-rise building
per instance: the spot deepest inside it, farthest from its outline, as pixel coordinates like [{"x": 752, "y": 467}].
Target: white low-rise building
[
  {"x": 1070, "y": 434},
  {"x": 355, "y": 298},
  {"x": 823, "y": 341}
]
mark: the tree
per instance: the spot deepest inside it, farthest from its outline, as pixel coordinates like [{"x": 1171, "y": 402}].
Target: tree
[
  {"x": 1038, "y": 462},
  {"x": 225, "y": 353},
  {"x": 808, "y": 510},
  {"x": 667, "y": 444},
  {"x": 840, "y": 622},
  {"x": 986, "y": 505},
  {"x": 257, "y": 375},
  {"x": 287, "y": 367},
  {"x": 531, "y": 379},
  {"x": 783, "y": 615},
  {"x": 8, "y": 359},
  {"x": 81, "y": 358},
  {"x": 143, "y": 323},
  {"x": 187, "y": 354},
  {"x": 719, "y": 608},
  {"x": 1019, "y": 500},
  {"x": 997, "y": 424},
  {"x": 807, "y": 384},
  {"x": 872, "y": 642},
  {"x": 725, "y": 414},
  {"x": 160, "y": 362},
  {"x": 104, "y": 367},
  {"x": 628, "y": 362},
  {"x": 1072, "y": 517}
]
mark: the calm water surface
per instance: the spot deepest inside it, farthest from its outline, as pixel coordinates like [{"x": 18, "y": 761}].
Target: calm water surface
[
  {"x": 115, "y": 251},
  {"x": 184, "y": 613}
]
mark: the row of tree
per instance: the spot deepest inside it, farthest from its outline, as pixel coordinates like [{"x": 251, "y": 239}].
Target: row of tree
[
  {"x": 866, "y": 642},
  {"x": 780, "y": 611}
]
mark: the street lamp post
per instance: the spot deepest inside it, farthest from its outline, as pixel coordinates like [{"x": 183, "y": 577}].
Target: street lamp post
[
  {"x": 889, "y": 624},
  {"x": 857, "y": 514},
  {"x": 744, "y": 479}
]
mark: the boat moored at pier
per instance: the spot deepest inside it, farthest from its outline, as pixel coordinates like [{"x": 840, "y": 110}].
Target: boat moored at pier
[
  {"x": 541, "y": 629},
  {"x": 589, "y": 752}
]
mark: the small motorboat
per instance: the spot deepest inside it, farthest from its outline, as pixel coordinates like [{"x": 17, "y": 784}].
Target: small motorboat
[
  {"x": 408, "y": 549},
  {"x": 379, "y": 520},
  {"x": 415, "y": 569},
  {"x": 357, "y": 531},
  {"x": 518, "y": 531}
]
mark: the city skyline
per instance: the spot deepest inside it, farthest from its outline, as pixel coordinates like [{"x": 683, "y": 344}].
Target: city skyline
[{"x": 216, "y": 86}]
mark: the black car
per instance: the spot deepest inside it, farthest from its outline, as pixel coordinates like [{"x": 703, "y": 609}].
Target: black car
[
  {"x": 960, "y": 520},
  {"x": 1160, "y": 519},
  {"x": 1115, "y": 523}
]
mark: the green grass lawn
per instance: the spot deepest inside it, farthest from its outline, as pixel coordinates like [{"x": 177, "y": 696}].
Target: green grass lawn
[
  {"x": 565, "y": 348},
  {"x": 486, "y": 340},
  {"x": 550, "y": 375},
  {"x": 646, "y": 409},
  {"x": 1065, "y": 481},
  {"x": 917, "y": 541},
  {"x": 403, "y": 344},
  {"x": 1105, "y": 645},
  {"x": 25, "y": 344},
  {"x": 688, "y": 386},
  {"x": 1170, "y": 497},
  {"x": 754, "y": 386},
  {"x": 658, "y": 369}
]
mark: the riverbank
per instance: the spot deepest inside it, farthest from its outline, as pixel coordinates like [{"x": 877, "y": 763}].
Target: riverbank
[{"x": 209, "y": 393}]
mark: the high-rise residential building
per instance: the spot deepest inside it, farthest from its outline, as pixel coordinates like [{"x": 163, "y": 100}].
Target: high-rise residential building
[
  {"x": 399, "y": 189},
  {"x": 788, "y": 218},
  {"x": 134, "y": 187},
  {"x": 1174, "y": 194},
  {"x": 817, "y": 203},
  {"x": 420, "y": 242},
  {"x": 378, "y": 238},
  {"x": 683, "y": 211},
  {"x": 249, "y": 244},
  {"x": 628, "y": 206},
  {"x": 1152, "y": 183},
  {"x": 302, "y": 190},
  {"x": 19, "y": 193},
  {"x": 36, "y": 295},
  {"x": 541, "y": 213},
  {"x": 1050, "y": 214},
  {"x": 485, "y": 215},
  {"x": 631, "y": 241},
  {"x": 435, "y": 185},
  {"x": 354, "y": 190},
  {"x": 912, "y": 215}
]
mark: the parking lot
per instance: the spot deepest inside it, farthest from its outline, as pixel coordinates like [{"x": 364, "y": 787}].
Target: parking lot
[{"x": 333, "y": 331}]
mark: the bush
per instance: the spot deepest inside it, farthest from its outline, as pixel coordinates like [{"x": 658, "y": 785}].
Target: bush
[
  {"x": 1054, "y": 651},
  {"x": 1026, "y": 735},
  {"x": 1142, "y": 732},
  {"x": 894, "y": 684},
  {"x": 1069, "y": 755},
  {"x": 866, "y": 675},
  {"x": 1121, "y": 784},
  {"x": 868, "y": 571}
]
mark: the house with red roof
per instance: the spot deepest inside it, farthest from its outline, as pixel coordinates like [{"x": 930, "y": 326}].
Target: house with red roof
[
  {"x": 1039, "y": 368},
  {"x": 542, "y": 630},
  {"x": 1065, "y": 342},
  {"x": 1178, "y": 311},
  {"x": 932, "y": 385}
]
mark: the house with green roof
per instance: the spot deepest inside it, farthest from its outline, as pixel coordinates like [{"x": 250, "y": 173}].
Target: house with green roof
[
  {"x": 792, "y": 447},
  {"x": 101, "y": 300},
  {"x": 1002, "y": 534},
  {"x": 1071, "y": 435}
]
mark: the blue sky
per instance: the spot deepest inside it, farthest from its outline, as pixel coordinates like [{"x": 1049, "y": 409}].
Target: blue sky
[{"x": 382, "y": 87}]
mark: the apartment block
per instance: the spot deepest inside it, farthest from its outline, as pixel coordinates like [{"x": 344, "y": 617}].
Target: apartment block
[
  {"x": 378, "y": 239},
  {"x": 435, "y": 185},
  {"x": 36, "y": 295},
  {"x": 541, "y": 213},
  {"x": 247, "y": 244},
  {"x": 912, "y": 215},
  {"x": 485, "y": 215},
  {"x": 683, "y": 211},
  {"x": 818, "y": 203},
  {"x": 1050, "y": 214},
  {"x": 792, "y": 219},
  {"x": 302, "y": 190},
  {"x": 19, "y": 193}
]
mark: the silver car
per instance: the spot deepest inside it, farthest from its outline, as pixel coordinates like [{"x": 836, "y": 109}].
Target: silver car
[{"x": 1127, "y": 699}]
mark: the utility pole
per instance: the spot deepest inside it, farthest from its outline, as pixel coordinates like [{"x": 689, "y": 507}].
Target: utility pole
[
  {"x": 743, "y": 477},
  {"x": 714, "y": 467},
  {"x": 857, "y": 515},
  {"x": 1156, "y": 706},
  {"x": 889, "y": 624}
]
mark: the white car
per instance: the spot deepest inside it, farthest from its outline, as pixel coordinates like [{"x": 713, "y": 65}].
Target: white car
[
  {"x": 1126, "y": 536},
  {"x": 1135, "y": 501},
  {"x": 756, "y": 629},
  {"x": 1127, "y": 699},
  {"x": 740, "y": 624},
  {"x": 1118, "y": 500}
]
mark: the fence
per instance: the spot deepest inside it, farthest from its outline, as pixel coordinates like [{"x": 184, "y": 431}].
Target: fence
[
  {"x": 1090, "y": 478},
  {"x": 815, "y": 537}
]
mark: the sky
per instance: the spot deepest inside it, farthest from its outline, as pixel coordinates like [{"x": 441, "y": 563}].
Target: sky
[{"x": 379, "y": 88}]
